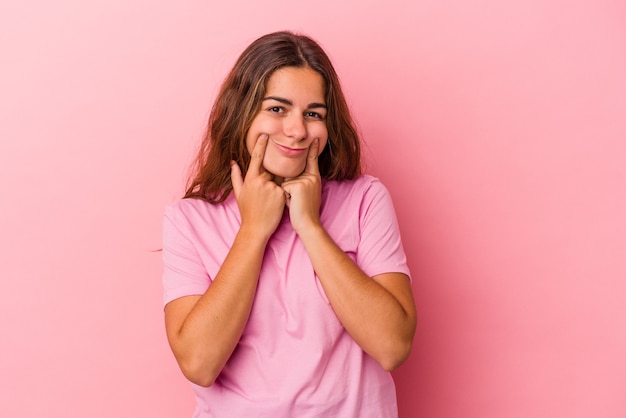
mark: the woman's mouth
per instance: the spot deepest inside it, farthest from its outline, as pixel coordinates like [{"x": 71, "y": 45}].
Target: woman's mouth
[{"x": 291, "y": 152}]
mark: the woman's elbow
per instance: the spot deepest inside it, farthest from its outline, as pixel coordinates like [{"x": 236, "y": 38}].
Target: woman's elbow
[
  {"x": 392, "y": 363},
  {"x": 198, "y": 374},
  {"x": 397, "y": 348},
  {"x": 395, "y": 355}
]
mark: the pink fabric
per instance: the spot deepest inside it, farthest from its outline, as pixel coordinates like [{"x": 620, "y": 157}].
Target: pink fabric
[{"x": 294, "y": 358}]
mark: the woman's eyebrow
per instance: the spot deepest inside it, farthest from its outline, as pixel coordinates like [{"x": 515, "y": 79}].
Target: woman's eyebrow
[{"x": 290, "y": 103}]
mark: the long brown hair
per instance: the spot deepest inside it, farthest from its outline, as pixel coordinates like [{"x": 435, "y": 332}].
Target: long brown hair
[{"x": 239, "y": 101}]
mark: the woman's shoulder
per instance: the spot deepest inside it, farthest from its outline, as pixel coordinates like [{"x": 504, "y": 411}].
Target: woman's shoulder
[
  {"x": 185, "y": 205},
  {"x": 356, "y": 193},
  {"x": 357, "y": 186},
  {"x": 194, "y": 209}
]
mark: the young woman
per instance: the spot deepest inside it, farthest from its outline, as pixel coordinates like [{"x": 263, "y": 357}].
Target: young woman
[{"x": 287, "y": 291}]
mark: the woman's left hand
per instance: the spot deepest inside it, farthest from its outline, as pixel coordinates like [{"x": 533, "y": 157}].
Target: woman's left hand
[
  {"x": 379, "y": 311},
  {"x": 304, "y": 193}
]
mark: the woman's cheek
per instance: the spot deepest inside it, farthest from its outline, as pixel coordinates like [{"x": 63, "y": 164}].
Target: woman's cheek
[
  {"x": 322, "y": 134},
  {"x": 322, "y": 145},
  {"x": 260, "y": 125}
]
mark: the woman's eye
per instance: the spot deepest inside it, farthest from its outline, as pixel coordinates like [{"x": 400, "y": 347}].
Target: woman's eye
[
  {"x": 275, "y": 109},
  {"x": 314, "y": 115}
]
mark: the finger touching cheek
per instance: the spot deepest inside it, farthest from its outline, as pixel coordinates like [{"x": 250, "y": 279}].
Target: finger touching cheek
[{"x": 321, "y": 145}]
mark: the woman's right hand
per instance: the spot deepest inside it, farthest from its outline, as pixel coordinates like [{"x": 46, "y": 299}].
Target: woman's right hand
[
  {"x": 261, "y": 201},
  {"x": 203, "y": 330}
]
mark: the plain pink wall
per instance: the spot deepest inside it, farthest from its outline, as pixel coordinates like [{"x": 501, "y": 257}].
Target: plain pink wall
[{"x": 499, "y": 128}]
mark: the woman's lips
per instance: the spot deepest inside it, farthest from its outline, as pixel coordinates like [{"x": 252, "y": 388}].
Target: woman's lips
[{"x": 292, "y": 152}]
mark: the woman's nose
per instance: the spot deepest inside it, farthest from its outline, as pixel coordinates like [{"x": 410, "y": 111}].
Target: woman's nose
[{"x": 295, "y": 127}]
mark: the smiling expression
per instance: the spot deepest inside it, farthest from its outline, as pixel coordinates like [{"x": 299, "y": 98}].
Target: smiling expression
[{"x": 292, "y": 114}]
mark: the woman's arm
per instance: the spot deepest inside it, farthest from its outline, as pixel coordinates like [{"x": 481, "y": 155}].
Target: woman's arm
[
  {"x": 204, "y": 330},
  {"x": 378, "y": 312}
]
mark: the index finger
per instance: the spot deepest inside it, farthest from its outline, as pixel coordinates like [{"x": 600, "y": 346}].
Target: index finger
[
  {"x": 236, "y": 178},
  {"x": 258, "y": 152},
  {"x": 312, "y": 166}
]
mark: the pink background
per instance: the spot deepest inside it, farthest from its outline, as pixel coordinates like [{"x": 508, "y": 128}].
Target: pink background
[{"x": 499, "y": 128}]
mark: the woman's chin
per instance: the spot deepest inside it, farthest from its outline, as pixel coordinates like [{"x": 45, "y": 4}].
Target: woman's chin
[{"x": 284, "y": 172}]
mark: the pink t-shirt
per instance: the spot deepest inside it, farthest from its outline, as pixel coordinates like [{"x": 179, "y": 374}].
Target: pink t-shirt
[{"x": 294, "y": 359}]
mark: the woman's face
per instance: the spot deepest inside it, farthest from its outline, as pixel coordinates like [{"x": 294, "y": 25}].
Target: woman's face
[{"x": 293, "y": 114}]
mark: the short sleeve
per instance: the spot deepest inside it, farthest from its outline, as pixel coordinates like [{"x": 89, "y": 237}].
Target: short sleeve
[
  {"x": 183, "y": 271},
  {"x": 380, "y": 248}
]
